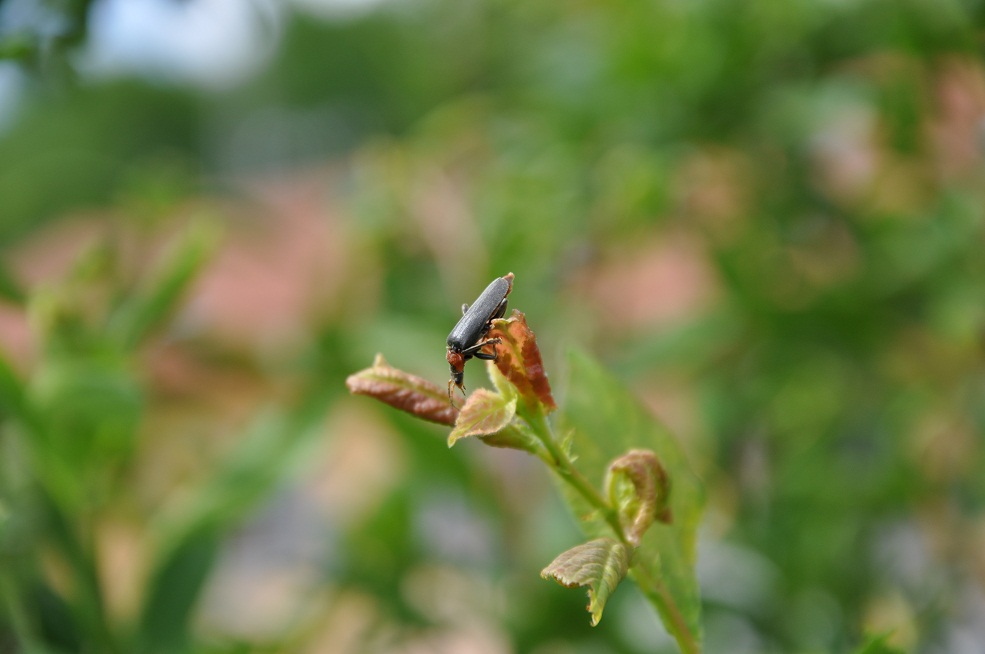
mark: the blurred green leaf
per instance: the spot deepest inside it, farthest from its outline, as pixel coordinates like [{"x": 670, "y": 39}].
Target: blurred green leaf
[
  {"x": 878, "y": 644},
  {"x": 13, "y": 396},
  {"x": 189, "y": 534},
  {"x": 173, "y": 589},
  {"x": 74, "y": 149},
  {"x": 16, "y": 47},
  {"x": 175, "y": 272},
  {"x": 91, "y": 408},
  {"x": 10, "y": 288},
  {"x": 274, "y": 442},
  {"x": 89, "y": 619}
]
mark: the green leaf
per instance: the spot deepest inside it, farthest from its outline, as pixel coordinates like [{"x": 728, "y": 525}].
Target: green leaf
[
  {"x": 174, "y": 274},
  {"x": 274, "y": 443},
  {"x": 876, "y": 644},
  {"x": 189, "y": 533},
  {"x": 484, "y": 413},
  {"x": 10, "y": 289},
  {"x": 605, "y": 420},
  {"x": 92, "y": 409},
  {"x": 599, "y": 565},
  {"x": 16, "y": 47},
  {"x": 13, "y": 396},
  {"x": 173, "y": 591}
]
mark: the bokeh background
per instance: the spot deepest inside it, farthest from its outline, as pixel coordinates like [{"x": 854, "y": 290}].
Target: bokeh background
[{"x": 767, "y": 217}]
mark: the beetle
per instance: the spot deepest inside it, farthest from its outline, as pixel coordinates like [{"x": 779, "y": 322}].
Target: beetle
[{"x": 466, "y": 338}]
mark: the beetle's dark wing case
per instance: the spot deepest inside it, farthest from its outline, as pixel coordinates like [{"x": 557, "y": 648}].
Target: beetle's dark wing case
[{"x": 469, "y": 328}]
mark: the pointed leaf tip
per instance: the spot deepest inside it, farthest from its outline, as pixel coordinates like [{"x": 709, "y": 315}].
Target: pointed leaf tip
[
  {"x": 599, "y": 565},
  {"x": 404, "y": 391}
]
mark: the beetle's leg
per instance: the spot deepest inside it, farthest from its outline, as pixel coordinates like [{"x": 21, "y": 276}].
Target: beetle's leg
[
  {"x": 451, "y": 382},
  {"x": 474, "y": 351},
  {"x": 488, "y": 356},
  {"x": 451, "y": 398}
]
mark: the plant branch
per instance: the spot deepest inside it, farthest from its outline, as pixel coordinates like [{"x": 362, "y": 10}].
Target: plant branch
[
  {"x": 563, "y": 466},
  {"x": 651, "y": 586}
]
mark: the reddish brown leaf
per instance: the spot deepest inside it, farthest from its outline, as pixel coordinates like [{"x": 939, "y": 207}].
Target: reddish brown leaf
[
  {"x": 403, "y": 391},
  {"x": 519, "y": 360}
]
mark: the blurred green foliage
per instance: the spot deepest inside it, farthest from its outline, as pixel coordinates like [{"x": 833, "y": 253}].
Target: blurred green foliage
[{"x": 818, "y": 165}]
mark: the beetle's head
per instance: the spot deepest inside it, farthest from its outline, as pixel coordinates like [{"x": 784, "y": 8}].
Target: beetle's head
[{"x": 457, "y": 364}]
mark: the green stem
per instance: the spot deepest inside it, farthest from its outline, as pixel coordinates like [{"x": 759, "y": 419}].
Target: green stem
[
  {"x": 651, "y": 586},
  {"x": 565, "y": 468},
  {"x": 660, "y": 595}
]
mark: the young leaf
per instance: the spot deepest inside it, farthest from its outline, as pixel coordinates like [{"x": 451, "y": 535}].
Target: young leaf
[
  {"x": 403, "y": 391},
  {"x": 638, "y": 487},
  {"x": 484, "y": 413},
  {"x": 519, "y": 360},
  {"x": 605, "y": 420},
  {"x": 599, "y": 564}
]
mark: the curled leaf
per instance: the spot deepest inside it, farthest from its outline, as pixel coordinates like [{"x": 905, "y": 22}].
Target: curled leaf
[
  {"x": 519, "y": 360},
  {"x": 639, "y": 488},
  {"x": 599, "y": 565},
  {"x": 403, "y": 391},
  {"x": 485, "y": 413}
]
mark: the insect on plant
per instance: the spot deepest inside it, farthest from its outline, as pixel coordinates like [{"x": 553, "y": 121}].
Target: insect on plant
[
  {"x": 466, "y": 338},
  {"x": 621, "y": 486}
]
